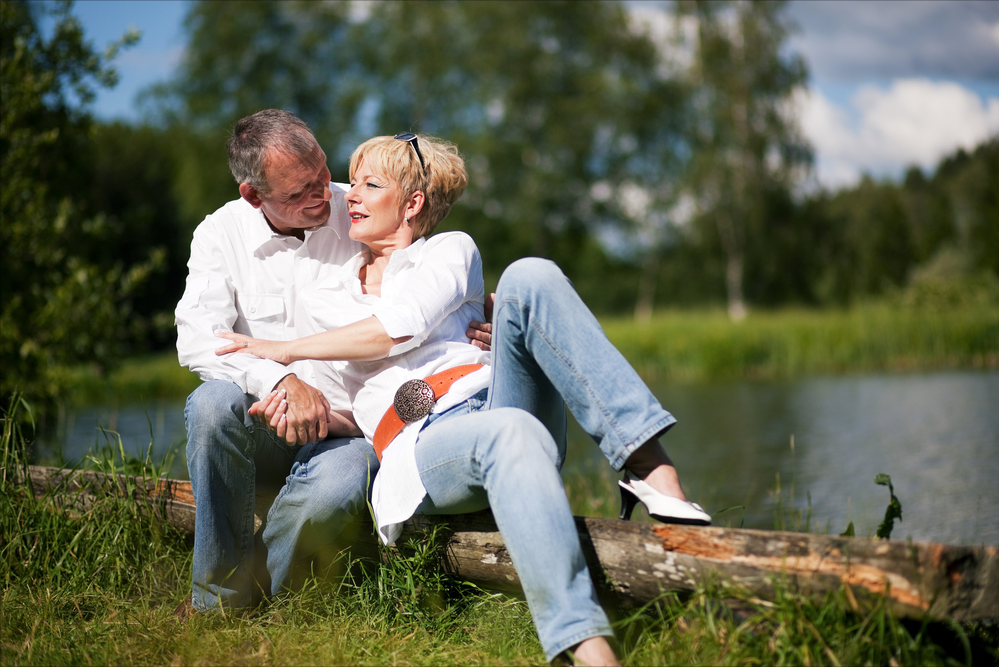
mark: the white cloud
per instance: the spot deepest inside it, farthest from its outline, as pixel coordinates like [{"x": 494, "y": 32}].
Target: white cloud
[{"x": 913, "y": 121}]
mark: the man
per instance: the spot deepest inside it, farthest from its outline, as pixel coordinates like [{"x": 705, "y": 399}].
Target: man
[{"x": 249, "y": 260}]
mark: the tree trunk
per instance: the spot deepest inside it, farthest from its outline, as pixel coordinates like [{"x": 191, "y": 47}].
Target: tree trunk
[
  {"x": 647, "y": 288},
  {"x": 732, "y": 247}
]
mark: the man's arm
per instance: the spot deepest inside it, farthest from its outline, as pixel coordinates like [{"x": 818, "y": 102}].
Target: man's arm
[{"x": 209, "y": 306}]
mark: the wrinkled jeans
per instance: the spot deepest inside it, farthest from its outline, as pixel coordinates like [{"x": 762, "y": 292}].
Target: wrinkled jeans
[
  {"x": 233, "y": 459},
  {"x": 503, "y": 448}
]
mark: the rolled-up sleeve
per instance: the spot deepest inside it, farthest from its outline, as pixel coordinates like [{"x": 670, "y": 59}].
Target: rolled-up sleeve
[{"x": 450, "y": 275}]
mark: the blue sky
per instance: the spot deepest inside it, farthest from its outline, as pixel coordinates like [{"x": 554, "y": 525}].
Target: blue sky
[{"x": 893, "y": 83}]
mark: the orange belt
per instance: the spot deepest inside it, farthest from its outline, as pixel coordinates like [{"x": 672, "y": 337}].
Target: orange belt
[{"x": 414, "y": 400}]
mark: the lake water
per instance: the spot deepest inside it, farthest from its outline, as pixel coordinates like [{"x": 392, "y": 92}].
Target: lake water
[{"x": 936, "y": 435}]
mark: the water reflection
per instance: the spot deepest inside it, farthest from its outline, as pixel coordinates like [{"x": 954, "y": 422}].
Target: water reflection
[
  {"x": 937, "y": 435},
  {"x": 91, "y": 428}
]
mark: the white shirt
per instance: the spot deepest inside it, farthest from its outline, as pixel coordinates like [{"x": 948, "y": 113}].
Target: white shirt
[
  {"x": 430, "y": 291},
  {"x": 246, "y": 278}
]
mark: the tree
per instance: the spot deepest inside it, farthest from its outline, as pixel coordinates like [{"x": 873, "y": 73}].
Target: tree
[
  {"x": 545, "y": 100},
  {"x": 59, "y": 306},
  {"x": 746, "y": 143}
]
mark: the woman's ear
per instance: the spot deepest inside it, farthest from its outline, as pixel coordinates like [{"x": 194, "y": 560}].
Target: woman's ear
[{"x": 414, "y": 204}]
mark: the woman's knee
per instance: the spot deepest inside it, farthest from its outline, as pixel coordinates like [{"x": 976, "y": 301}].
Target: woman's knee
[
  {"x": 520, "y": 437},
  {"x": 529, "y": 272}
]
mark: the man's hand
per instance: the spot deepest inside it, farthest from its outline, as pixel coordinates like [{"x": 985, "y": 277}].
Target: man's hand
[
  {"x": 300, "y": 412},
  {"x": 481, "y": 333}
]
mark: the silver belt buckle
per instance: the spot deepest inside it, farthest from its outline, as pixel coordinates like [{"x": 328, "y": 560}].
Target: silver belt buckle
[{"x": 414, "y": 400}]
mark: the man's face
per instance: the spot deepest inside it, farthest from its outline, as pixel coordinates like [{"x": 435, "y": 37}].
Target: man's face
[{"x": 300, "y": 194}]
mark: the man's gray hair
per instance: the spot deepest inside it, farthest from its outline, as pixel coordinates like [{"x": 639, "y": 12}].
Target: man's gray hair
[{"x": 253, "y": 137}]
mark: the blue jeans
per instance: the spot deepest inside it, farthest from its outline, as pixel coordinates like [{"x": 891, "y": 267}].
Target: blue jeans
[
  {"x": 235, "y": 462},
  {"x": 504, "y": 448}
]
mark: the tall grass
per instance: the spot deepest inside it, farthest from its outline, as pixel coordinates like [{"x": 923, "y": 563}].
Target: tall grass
[
  {"x": 98, "y": 587},
  {"x": 688, "y": 346}
]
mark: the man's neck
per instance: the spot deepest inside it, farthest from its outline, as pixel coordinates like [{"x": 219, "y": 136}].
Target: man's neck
[{"x": 297, "y": 233}]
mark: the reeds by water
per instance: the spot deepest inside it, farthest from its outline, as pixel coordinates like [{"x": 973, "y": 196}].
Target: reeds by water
[{"x": 682, "y": 346}]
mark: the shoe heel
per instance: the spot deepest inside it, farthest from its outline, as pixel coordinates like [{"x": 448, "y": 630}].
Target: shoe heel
[{"x": 628, "y": 502}]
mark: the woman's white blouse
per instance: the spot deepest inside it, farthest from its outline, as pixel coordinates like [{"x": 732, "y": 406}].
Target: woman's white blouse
[{"x": 430, "y": 291}]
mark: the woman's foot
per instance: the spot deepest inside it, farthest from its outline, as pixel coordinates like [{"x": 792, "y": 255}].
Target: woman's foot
[
  {"x": 651, "y": 478},
  {"x": 652, "y": 465},
  {"x": 593, "y": 652}
]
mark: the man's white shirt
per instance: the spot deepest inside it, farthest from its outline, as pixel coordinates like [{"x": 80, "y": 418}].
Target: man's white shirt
[{"x": 246, "y": 278}]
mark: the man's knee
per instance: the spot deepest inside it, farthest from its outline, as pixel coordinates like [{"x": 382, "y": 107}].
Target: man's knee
[
  {"x": 335, "y": 478},
  {"x": 215, "y": 412},
  {"x": 215, "y": 402}
]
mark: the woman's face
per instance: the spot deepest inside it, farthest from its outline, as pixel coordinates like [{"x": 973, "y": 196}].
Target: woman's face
[{"x": 378, "y": 210}]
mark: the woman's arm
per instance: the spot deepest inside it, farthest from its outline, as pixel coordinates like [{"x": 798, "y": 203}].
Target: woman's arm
[{"x": 361, "y": 341}]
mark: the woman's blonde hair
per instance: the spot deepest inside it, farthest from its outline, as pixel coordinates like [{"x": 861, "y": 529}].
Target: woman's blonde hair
[{"x": 442, "y": 180}]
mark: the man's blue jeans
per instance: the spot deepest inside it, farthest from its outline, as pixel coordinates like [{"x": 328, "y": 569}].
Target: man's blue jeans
[
  {"x": 503, "y": 448},
  {"x": 232, "y": 459}
]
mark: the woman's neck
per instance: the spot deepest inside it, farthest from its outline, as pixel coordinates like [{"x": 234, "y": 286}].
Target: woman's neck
[{"x": 373, "y": 270}]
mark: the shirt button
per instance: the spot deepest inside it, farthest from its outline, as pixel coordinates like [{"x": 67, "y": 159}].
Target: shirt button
[{"x": 253, "y": 309}]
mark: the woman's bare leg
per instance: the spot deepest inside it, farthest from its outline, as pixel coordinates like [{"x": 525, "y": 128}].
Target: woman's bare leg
[{"x": 593, "y": 652}]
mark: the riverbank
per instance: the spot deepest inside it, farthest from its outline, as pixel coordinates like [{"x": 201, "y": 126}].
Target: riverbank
[
  {"x": 696, "y": 346},
  {"x": 98, "y": 588}
]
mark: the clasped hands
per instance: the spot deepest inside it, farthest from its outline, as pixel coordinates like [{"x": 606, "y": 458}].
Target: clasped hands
[{"x": 298, "y": 412}]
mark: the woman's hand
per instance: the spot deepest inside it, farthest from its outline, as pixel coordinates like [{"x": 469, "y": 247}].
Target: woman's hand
[
  {"x": 266, "y": 349},
  {"x": 272, "y": 410}
]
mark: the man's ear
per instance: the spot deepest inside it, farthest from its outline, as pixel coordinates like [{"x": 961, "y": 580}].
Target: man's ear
[{"x": 249, "y": 193}]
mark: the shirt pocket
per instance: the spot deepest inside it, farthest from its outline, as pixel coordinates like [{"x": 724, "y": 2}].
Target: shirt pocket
[{"x": 263, "y": 308}]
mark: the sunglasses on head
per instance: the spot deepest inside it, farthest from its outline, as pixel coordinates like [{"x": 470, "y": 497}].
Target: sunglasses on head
[{"x": 410, "y": 139}]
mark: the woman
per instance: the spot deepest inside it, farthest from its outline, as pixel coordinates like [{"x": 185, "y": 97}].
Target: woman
[{"x": 496, "y": 435}]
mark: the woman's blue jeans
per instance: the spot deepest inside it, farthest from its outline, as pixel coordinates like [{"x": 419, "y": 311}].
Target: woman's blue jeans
[
  {"x": 504, "y": 448},
  {"x": 233, "y": 461}
]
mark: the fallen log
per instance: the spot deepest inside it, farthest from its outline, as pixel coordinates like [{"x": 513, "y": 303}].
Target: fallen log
[{"x": 637, "y": 562}]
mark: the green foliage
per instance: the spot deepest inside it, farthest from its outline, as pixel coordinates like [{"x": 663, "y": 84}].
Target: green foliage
[
  {"x": 892, "y": 512},
  {"x": 721, "y": 625},
  {"x": 747, "y": 152},
  {"x": 930, "y": 240},
  {"x": 565, "y": 97},
  {"x": 60, "y": 304},
  {"x": 70, "y": 565}
]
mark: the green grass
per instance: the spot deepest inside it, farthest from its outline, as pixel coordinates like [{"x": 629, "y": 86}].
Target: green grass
[
  {"x": 693, "y": 346},
  {"x": 146, "y": 378},
  {"x": 97, "y": 587}
]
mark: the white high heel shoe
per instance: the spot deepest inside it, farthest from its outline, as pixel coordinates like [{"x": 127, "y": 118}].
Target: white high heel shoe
[{"x": 660, "y": 507}]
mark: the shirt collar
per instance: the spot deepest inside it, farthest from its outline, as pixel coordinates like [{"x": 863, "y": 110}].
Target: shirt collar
[
  {"x": 405, "y": 256},
  {"x": 399, "y": 260},
  {"x": 260, "y": 231}
]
